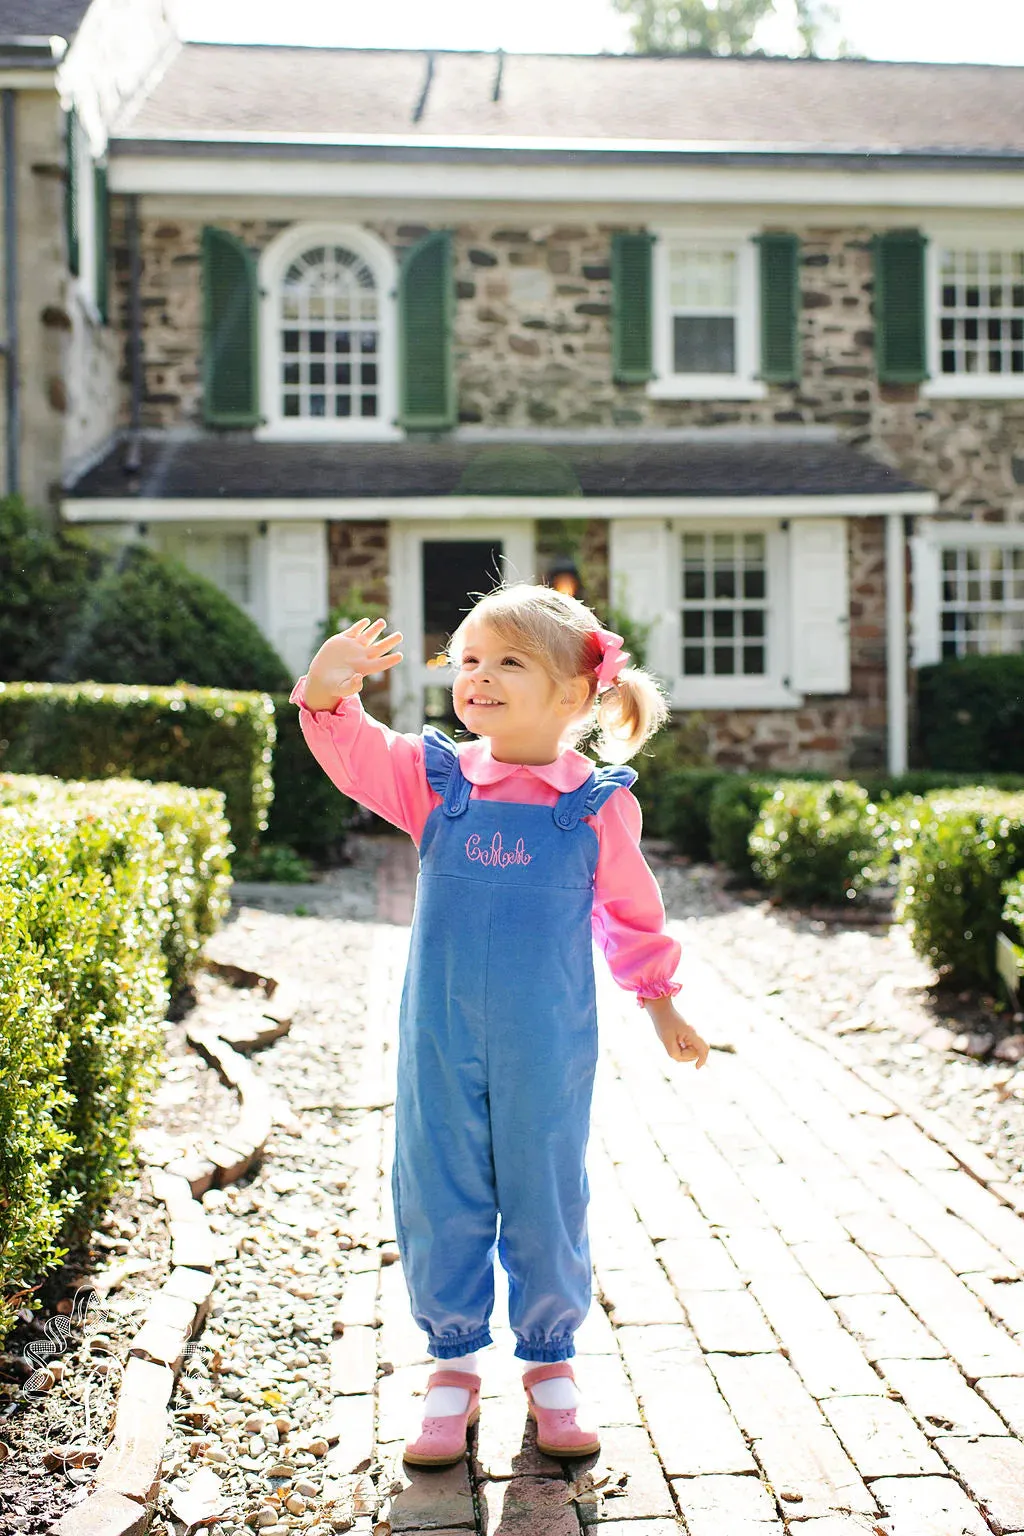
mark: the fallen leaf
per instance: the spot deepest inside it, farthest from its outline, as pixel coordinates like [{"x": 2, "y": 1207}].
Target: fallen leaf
[
  {"x": 382, "y": 1528},
  {"x": 202, "y": 1500},
  {"x": 59, "y": 1457},
  {"x": 5, "y": 1451}
]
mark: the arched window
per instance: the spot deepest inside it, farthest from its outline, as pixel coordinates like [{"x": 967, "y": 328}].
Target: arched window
[{"x": 328, "y": 334}]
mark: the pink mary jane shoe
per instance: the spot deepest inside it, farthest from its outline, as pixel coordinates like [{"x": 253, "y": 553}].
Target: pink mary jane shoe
[
  {"x": 442, "y": 1441},
  {"x": 558, "y": 1434}
]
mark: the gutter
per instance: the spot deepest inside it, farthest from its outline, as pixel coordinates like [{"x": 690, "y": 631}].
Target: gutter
[{"x": 524, "y": 151}]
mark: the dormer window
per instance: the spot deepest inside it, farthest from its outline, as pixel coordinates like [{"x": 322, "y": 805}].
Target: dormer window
[{"x": 328, "y": 363}]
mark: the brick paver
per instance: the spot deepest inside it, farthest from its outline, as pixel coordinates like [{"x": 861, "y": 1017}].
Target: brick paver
[{"x": 808, "y": 1315}]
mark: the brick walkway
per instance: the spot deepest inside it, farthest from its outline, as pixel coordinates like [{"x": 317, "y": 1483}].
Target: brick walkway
[{"x": 811, "y": 1317}]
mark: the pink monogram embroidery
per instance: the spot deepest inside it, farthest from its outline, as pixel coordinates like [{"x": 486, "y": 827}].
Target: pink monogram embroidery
[{"x": 496, "y": 853}]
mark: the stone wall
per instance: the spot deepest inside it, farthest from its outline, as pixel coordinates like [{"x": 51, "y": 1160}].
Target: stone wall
[{"x": 533, "y": 350}]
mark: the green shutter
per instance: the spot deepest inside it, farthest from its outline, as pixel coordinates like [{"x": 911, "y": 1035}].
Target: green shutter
[
  {"x": 71, "y": 188},
  {"x": 900, "y": 345},
  {"x": 426, "y": 305},
  {"x": 102, "y": 217},
  {"x": 230, "y": 392},
  {"x": 780, "y": 308},
  {"x": 632, "y": 322}
]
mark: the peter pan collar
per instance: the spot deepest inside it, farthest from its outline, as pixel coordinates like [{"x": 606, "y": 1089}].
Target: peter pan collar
[{"x": 569, "y": 770}]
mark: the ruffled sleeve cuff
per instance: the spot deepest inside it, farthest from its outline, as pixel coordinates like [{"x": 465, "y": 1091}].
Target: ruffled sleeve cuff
[
  {"x": 343, "y": 706},
  {"x": 652, "y": 989}
]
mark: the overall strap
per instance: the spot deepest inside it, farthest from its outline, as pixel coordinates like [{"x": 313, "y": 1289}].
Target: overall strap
[
  {"x": 444, "y": 775},
  {"x": 607, "y": 780},
  {"x": 571, "y": 804}
]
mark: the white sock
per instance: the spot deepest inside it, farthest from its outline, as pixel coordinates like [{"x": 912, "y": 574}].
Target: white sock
[
  {"x": 556, "y": 1392},
  {"x": 441, "y": 1402}
]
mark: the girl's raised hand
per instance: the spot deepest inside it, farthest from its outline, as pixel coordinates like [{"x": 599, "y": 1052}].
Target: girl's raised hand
[{"x": 340, "y": 665}]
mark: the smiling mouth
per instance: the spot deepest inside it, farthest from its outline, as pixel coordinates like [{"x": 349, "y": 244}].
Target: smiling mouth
[{"x": 485, "y": 703}]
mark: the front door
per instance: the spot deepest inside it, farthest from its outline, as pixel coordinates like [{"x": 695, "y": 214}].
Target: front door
[{"x": 438, "y": 570}]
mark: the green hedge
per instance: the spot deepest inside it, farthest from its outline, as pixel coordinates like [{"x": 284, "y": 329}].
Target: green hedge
[
  {"x": 309, "y": 813},
  {"x": 204, "y": 738},
  {"x": 815, "y": 842},
  {"x": 957, "y": 852},
  {"x": 76, "y": 610},
  {"x": 971, "y": 714},
  {"x": 105, "y": 891}
]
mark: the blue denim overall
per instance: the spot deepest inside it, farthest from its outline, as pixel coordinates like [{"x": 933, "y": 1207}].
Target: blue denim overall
[{"x": 497, "y": 1050}]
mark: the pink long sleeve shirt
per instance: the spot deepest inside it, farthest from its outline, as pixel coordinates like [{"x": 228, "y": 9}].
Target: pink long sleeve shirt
[{"x": 384, "y": 770}]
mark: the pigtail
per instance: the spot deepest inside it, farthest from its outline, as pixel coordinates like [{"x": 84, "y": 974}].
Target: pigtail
[{"x": 628, "y": 714}]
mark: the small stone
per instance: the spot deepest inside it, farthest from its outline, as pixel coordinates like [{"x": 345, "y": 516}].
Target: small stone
[
  {"x": 271, "y": 1435},
  {"x": 257, "y": 1445},
  {"x": 266, "y": 1516},
  {"x": 214, "y": 1453},
  {"x": 305, "y": 1487},
  {"x": 318, "y": 1447},
  {"x": 255, "y": 1422},
  {"x": 972, "y": 1044},
  {"x": 282, "y": 1423},
  {"x": 295, "y": 1504},
  {"x": 1010, "y": 1049}
]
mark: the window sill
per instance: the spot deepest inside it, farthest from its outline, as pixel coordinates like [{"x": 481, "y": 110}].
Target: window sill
[
  {"x": 706, "y": 694},
  {"x": 973, "y": 387},
  {"x": 307, "y": 430},
  {"x": 716, "y": 386}
]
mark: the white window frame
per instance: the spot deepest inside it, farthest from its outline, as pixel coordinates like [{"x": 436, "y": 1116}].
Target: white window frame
[
  {"x": 166, "y": 538},
  {"x": 744, "y": 384},
  {"x": 773, "y": 691},
  {"x": 931, "y": 537},
  {"x": 85, "y": 206},
  {"x": 962, "y": 386},
  {"x": 273, "y": 265}
]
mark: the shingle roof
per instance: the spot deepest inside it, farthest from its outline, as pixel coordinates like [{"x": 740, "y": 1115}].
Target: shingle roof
[
  {"x": 233, "y": 466},
  {"x": 831, "y": 105},
  {"x": 41, "y": 18}
]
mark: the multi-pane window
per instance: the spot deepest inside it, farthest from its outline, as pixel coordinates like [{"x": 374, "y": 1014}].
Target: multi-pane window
[
  {"x": 982, "y": 604},
  {"x": 704, "y": 302},
  {"x": 981, "y": 312},
  {"x": 330, "y": 336},
  {"x": 724, "y": 617}
]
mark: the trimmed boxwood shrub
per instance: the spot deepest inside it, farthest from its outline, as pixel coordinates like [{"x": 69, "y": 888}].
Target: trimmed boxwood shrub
[
  {"x": 971, "y": 713},
  {"x": 815, "y": 842},
  {"x": 957, "y": 850},
  {"x": 33, "y": 1104},
  {"x": 74, "y": 611},
  {"x": 734, "y": 810},
  {"x": 308, "y": 813},
  {"x": 204, "y": 738},
  {"x": 100, "y": 894}
]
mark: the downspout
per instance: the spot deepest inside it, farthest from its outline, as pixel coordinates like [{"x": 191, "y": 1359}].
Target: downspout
[
  {"x": 133, "y": 454},
  {"x": 11, "y": 346},
  {"x": 896, "y": 641}
]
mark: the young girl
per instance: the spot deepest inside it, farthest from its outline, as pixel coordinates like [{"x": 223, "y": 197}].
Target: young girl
[{"x": 527, "y": 850}]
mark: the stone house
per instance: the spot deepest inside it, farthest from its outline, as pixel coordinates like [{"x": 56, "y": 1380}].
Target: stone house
[
  {"x": 739, "y": 343},
  {"x": 67, "y": 69}
]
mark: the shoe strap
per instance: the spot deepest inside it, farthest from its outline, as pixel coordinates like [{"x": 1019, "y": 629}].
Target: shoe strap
[
  {"x": 464, "y": 1379},
  {"x": 547, "y": 1373}
]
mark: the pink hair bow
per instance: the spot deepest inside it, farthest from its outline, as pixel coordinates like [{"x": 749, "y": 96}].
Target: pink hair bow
[{"x": 613, "y": 658}]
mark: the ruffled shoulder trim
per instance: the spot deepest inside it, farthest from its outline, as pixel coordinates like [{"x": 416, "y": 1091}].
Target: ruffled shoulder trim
[
  {"x": 607, "y": 780},
  {"x": 440, "y": 754}
]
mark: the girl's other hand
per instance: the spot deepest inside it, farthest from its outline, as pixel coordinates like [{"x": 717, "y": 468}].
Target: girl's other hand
[
  {"x": 344, "y": 660},
  {"x": 680, "y": 1040}
]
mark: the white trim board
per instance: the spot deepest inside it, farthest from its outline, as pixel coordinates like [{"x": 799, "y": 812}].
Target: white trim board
[
  {"x": 151, "y": 509},
  {"x": 311, "y": 176}
]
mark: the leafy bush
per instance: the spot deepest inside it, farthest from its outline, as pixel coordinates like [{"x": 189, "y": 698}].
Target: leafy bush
[
  {"x": 274, "y": 862},
  {"x": 971, "y": 713},
  {"x": 674, "y": 784},
  {"x": 204, "y": 738},
  {"x": 734, "y": 810},
  {"x": 309, "y": 814},
  {"x": 957, "y": 850},
  {"x": 102, "y": 887},
  {"x": 73, "y": 611},
  {"x": 815, "y": 842},
  {"x": 1013, "y": 910},
  {"x": 33, "y": 1103}
]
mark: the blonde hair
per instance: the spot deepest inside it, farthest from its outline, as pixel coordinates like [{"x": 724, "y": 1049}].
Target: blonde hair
[{"x": 559, "y": 631}]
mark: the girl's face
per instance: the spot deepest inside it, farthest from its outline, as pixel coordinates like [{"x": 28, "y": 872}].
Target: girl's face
[{"x": 504, "y": 693}]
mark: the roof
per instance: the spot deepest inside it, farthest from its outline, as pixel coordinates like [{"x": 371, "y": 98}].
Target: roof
[
  {"x": 232, "y": 466},
  {"x": 229, "y": 92},
  {"x": 41, "y": 18}
]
